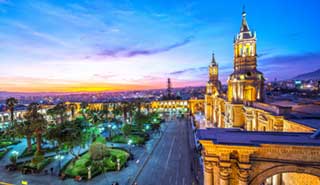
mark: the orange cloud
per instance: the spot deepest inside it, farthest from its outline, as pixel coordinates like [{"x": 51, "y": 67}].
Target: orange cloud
[{"x": 27, "y": 84}]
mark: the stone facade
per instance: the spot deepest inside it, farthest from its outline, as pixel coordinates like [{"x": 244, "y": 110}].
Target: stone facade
[
  {"x": 242, "y": 107},
  {"x": 252, "y": 165}
]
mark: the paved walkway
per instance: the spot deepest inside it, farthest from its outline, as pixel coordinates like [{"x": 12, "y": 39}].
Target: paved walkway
[{"x": 20, "y": 147}]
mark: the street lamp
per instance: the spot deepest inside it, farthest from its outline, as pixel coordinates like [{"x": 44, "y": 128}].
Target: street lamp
[
  {"x": 109, "y": 130},
  {"x": 129, "y": 143},
  {"x": 15, "y": 153},
  {"x": 14, "y": 157},
  {"x": 59, "y": 157}
]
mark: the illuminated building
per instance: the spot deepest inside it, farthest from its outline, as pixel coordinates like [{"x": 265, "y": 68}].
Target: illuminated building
[
  {"x": 242, "y": 106},
  {"x": 212, "y": 89},
  {"x": 245, "y": 84},
  {"x": 236, "y": 157},
  {"x": 254, "y": 143}
]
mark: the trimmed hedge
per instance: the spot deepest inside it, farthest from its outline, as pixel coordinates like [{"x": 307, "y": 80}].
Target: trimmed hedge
[{"x": 79, "y": 167}]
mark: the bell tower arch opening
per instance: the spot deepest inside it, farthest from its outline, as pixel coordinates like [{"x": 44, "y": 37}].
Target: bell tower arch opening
[{"x": 250, "y": 93}]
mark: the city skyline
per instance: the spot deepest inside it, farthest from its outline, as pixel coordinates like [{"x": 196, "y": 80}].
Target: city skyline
[{"x": 107, "y": 46}]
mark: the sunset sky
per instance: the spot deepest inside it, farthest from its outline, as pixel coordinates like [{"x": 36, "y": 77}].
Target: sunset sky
[{"x": 97, "y": 45}]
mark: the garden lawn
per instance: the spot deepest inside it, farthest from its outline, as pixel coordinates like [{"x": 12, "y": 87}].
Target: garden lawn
[
  {"x": 5, "y": 143},
  {"x": 80, "y": 167},
  {"x": 39, "y": 166},
  {"x": 123, "y": 139},
  {"x": 26, "y": 153}
]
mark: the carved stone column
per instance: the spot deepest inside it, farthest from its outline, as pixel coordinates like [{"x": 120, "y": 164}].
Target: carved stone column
[
  {"x": 214, "y": 108},
  {"x": 224, "y": 175},
  {"x": 243, "y": 175},
  {"x": 219, "y": 117},
  {"x": 208, "y": 175}
]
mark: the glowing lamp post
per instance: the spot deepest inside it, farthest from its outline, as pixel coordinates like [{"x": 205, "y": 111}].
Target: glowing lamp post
[
  {"x": 129, "y": 143},
  {"x": 109, "y": 130},
  {"x": 59, "y": 157},
  {"x": 15, "y": 153},
  {"x": 14, "y": 157},
  {"x": 118, "y": 164}
]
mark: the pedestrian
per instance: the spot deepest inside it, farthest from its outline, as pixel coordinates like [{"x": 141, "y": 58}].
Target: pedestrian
[{"x": 51, "y": 171}]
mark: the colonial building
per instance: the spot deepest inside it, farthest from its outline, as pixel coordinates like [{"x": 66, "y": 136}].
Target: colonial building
[
  {"x": 254, "y": 143},
  {"x": 236, "y": 157},
  {"x": 212, "y": 88},
  {"x": 245, "y": 84},
  {"x": 243, "y": 105}
]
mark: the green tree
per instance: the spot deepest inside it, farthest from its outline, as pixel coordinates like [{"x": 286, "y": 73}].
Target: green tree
[
  {"x": 98, "y": 151},
  {"x": 37, "y": 122},
  {"x": 84, "y": 106},
  {"x": 58, "y": 110},
  {"x": 72, "y": 107},
  {"x": 126, "y": 130},
  {"x": 116, "y": 110},
  {"x": 141, "y": 119},
  {"x": 105, "y": 111},
  {"x": 53, "y": 113},
  {"x": 25, "y": 129},
  {"x": 11, "y": 103},
  {"x": 70, "y": 134},
  {"x": 138, "y": 104},
  {"x": 126, "y": 108},
  {"x": 61, "y": 110}
]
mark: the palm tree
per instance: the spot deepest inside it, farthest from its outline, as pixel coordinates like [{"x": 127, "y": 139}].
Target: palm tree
[
  {"x": 52, "y": 112},
  {"x": 105, "y": 111},
  {"x": 125, "y": 109},
  {"x": 11, "y": 103},
  {"x": 131, "y": 109},
  {"x": 25, "y": 129},
  {"x": 72, "y": 107},
  {"x": 58, "y": 110},
  {"x": 138, "y": 104},
  {"x": 147, "y": 106},
  {"x": 83, "y": 106},
  {"x": 37, "y": 121},
  {"x": 61, "y": 109}
]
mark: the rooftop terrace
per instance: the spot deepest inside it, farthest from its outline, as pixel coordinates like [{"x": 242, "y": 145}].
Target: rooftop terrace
[{"x": 234, "y": 136}]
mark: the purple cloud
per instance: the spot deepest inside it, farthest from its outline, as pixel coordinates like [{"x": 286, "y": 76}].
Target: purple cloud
[
  {"x": 159, "y": 50},
  {"x": 288, "y": 66},
  {"x": 188, "y": 70},
  {"x": 115, "y": 52},
  {"x": 126, "y": 52}
]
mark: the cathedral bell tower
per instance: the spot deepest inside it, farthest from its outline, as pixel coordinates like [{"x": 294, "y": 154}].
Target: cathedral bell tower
[
  {"x": 212, "y": 92},
  {"x": 213, "y": 83},
  {"x": 245, "y": 84}
]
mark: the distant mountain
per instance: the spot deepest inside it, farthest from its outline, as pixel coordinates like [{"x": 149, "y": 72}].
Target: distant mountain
[{"x": 315, "y": 75}]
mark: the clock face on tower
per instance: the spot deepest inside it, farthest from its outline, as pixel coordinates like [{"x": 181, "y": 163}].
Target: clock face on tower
[{"x": 213, "y": 71}]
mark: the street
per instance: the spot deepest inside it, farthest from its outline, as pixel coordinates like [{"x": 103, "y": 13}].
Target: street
[{"x": 171, "y": 161}]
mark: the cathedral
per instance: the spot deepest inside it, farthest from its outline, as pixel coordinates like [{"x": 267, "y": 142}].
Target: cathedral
[
  {"x": 243, "y": 106},
  {"x": 232, "y": 153}
]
